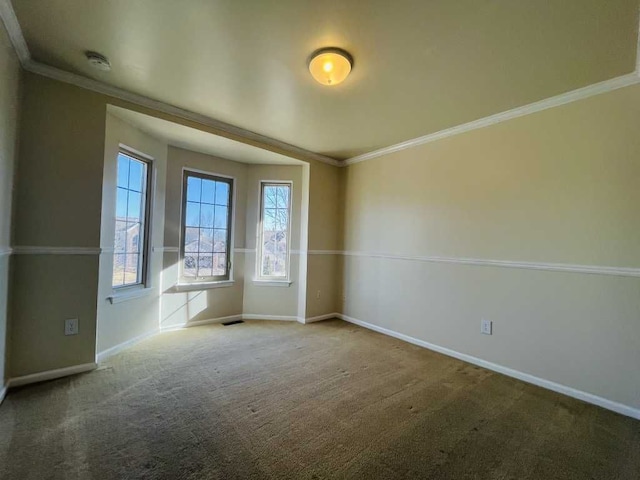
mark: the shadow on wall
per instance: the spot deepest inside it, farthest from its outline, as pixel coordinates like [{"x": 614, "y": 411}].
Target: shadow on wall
[{"x": 179, "y": 308}]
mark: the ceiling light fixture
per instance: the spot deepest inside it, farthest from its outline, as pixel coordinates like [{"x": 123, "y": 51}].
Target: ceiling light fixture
[
  {"x": 330, "y": 66},
  {"x": 98, "y": 61}
]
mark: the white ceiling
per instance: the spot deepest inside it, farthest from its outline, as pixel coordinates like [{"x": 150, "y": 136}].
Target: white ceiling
[
  {"x": 199, "y": 141},
  {"x": 420, "y": 65}
]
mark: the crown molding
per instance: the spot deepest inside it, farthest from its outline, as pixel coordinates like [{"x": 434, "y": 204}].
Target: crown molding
[
  {"x": 8, "y": 16},
  {"x": 232, "y": 132},
  {"x": 610, "y": 85},
  {"x": 260, "y": 141},
  {"x": 562, "y": 99}
]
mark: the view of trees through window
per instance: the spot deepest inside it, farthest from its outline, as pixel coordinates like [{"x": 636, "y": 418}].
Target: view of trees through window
[
  {"x": 275, "y": 230},
  {"x": 131, "y": 204},
  {"x": 206, "y": 228}
]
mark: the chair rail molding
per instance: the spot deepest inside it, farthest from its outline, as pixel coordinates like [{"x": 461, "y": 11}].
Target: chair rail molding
[
  {"x": 551, "y": 267},
  {"x": 42, "y": 250}
]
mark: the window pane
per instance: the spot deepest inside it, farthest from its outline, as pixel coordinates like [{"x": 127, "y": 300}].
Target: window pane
[
  {"x": 268, "y": 263},
  {"x": 206, "y": 215},
  {"x": 279, "y": 265},
  {"x": 275, "y": 224},
  {"x": 269, "y": 199},
  {"x": 222, "y": 193},
  {"x": 208, "y": 191},
  {"x": 136, "y": 175},
  {"x": 221, "y": 217},
  {"x": 281, "y": 245},
  {"x": 134, "y": 208},
  {"x": 273, "y": 265},
  {"x": 120, "y": 237},
  {"x": 205, "y": 263},
  {"x": 269, "y": 220},
  {"x": 206, "y": 226},
  {"x": 193, "y": 189},
  {"x": 219, "y": 264},
  {"x": 282, "y": 219},
  {"x": 282, "y": 197},
  {"x": 123, "y": 171},
  {"x": 193, "y": 214},
  {"x": 191, "y": 236},
  {"x": 131, "y": 268},
  {"x": 118, "y": 270},
  {"x": 133, "y": 238},
  {"x": 220, "y": 241},
  {"x": 269, "y": 242},
  {"x": 189, "y": 267},
  {"x": 121, "y": 204},
  {"x": 206, "y": 240},
  {"x": 131, "y": 210}
]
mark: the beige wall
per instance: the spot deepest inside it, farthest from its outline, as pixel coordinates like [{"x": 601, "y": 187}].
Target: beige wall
[
  {"x": 559, "y": 186},
  {"x": 272, "y": 300},
  {"x": 9, "y": 100},
  {"x": 120, "y": 322},
  {"x": 180, "y": 308},
  {"x": 58, "y": 203},
  {"x": 325, "y": 238}
]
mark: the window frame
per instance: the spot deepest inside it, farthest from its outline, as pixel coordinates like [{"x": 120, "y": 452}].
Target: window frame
[
  {"x": 144, "y": 260},
  {"x": 217, "y": 177},
  {"x": 260, "y": 247}
]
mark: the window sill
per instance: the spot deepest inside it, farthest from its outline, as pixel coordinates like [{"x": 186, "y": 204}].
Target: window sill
[
  {"x": 272, "y": 283},
  {"x": 190, "y": 287},
  {"x": 127, "y": 295}
]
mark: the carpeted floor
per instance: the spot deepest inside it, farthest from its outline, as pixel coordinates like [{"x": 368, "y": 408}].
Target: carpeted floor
[{"x": 283, "y": 400}]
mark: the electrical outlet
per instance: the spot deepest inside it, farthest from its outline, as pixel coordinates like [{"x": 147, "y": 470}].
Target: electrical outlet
[
  {"x": 71, "y": 326},
  {"x": 486, "y": 327},
  {"x": 318, "y": 295}
]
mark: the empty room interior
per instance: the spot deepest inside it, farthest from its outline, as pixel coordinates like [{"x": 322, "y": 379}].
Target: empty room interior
[{"x": 289, "y": 239}]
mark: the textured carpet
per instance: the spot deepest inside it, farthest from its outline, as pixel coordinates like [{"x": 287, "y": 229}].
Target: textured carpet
[{"x": 283, "y": 400}]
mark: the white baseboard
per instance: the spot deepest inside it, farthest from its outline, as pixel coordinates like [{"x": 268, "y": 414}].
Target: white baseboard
[
  {"x": 256, "y": 316},
  {"x": 319, "y": 318},
  {"x": 121, "y": 346},
  {"x": 51, "y": 374},
  {"x": 197, "y": 323},
  {"x": 525, "y": 377},
  {"x": 3, "y": 393},
  {"x": 251, "y": 316},
  {"x": 229, "y": 318}
]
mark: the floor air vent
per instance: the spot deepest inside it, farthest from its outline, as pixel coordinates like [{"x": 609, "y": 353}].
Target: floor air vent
[{"x": 233, "y": 322}]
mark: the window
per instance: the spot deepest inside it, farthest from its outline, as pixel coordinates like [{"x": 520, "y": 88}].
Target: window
[
  {"x": 206, "y": 227},
  {"x": 132, "y": 213},
  {"x": 275, "y": 215}
]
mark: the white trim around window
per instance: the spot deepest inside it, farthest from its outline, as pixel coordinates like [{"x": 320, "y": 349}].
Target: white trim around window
[
  {"x": 129, "y": 294},
  {"x": 132, "y": 216},
  {"x": 186, "y": 283},
  {"x": 273, "y": 210}
]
